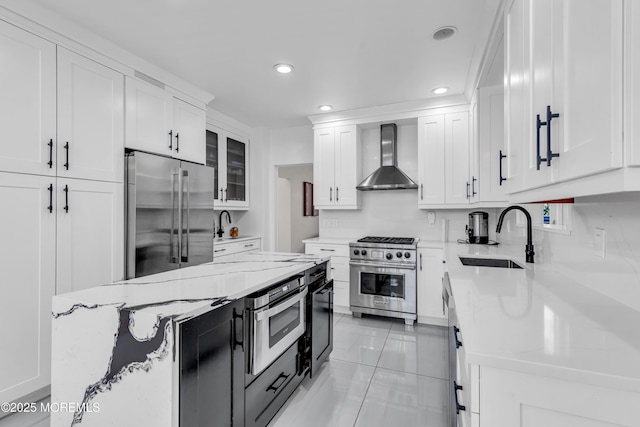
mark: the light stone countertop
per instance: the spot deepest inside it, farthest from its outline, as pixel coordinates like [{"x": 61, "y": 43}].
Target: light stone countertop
[
  {"x": 541, "y": 322},
  {"x": 191, "y": 291}
]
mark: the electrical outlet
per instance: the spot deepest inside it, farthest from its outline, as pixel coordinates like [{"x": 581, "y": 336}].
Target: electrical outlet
[
  {"x": 431, "y": 219},
  {"x": 599, "y": 241}
]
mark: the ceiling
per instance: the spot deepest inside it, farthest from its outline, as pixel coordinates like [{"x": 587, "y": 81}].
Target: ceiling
[{"x": 347, "y": 53}]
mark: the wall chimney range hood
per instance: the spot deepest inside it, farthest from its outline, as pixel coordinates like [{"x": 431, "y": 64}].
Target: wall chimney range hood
[{"x": 387, "y": 176}]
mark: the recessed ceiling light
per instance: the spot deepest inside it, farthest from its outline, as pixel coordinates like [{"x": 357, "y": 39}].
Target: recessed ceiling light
[
  {"x": 440, "y": 90},
  {"x": 444, "y": 33},
  {"x": 283, "y": 68},
  {"x": 325, "y": 108}
]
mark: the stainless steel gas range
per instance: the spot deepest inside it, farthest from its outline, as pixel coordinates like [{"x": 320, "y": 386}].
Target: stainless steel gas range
[{"x": 383, "y": 277}]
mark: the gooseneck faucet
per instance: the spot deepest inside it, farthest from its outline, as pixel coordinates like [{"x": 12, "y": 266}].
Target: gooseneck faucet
[
  {"x": 529, "y": 248},
  {"x": 220, "y": 231}
]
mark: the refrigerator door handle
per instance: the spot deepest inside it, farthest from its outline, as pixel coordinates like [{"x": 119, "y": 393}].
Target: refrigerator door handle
[
  {"x": 186, "y": 179},
  {"x": 172, "y": 250}
]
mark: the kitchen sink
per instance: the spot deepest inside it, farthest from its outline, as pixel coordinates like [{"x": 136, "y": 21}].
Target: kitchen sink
[{"x": 489, "y": 262}]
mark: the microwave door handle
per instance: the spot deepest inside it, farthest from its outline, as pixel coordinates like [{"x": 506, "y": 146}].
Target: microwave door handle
[{"x": 261, "y": 315}]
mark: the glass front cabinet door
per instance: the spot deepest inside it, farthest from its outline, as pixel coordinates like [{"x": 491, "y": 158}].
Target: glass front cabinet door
[{"x": 228, "y": 153}]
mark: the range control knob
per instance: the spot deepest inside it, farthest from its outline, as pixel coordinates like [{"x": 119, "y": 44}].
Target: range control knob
[
  {"x": 407, "y": 255},
  {"x": 389, "y": 255},
  {"x": 363, "y": 252},
  {"x": 399, "y": 254},
  {"x": 356, "y": 252}
]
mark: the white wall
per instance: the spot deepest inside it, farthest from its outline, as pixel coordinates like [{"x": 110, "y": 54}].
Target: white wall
[
  {"x": 284, "y": 215},
  {"x": 299, "y": 227},
  {"x": 618, "y": 274}
]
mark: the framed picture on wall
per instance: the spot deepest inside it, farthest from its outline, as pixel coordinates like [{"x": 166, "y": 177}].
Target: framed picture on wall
[{"x": 307, "y": 205}]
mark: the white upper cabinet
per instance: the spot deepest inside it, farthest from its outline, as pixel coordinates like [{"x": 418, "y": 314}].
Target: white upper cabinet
[
  {"x": 157, "y": 122},
  {"x": 90, "y": 119},
  {"x": 228, "y": 154},
  {"x": 632, "y": 83},
  {"x": 148, "y": 118},
  {"x": 28, "y": 102},
  {"x": 189, "y": 123},
  {"x": 563, "y": 64},
  {"x": 458, "y": 184},
  {"x": 443, "y": 160},
  {"x": 324, "y": 167},
  {"x": 336, "y": 167},
  {"x": 431, "y": 160},
  {"x": 490, "y": 152}
]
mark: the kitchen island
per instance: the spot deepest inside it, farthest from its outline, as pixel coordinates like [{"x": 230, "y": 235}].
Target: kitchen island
[{"x": 114, "y": 347}]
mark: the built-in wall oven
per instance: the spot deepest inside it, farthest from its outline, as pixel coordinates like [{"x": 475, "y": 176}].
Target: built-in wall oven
[
  {"x": 383, "y": 277},
  {"x": 277, "y": 320}
]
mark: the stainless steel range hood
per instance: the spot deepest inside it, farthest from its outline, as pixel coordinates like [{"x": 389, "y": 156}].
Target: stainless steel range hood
[{"x": 387, "y": 176}]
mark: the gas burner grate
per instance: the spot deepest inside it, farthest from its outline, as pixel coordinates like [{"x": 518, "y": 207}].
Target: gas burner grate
[{"x": 388, "y": 240}]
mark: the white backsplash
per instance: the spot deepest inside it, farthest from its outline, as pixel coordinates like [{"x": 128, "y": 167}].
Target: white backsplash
[
  {"x": 396, "y": 213},
  {"x": 617, "y": 275}
]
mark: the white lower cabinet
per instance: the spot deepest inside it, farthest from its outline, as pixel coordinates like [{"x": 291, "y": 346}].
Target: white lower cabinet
[
  {"x": 517, "y": 399},
  {"x": 50, "y": 250},
  {"x": 90, "y": 234},
  {"x": 339, "y": 271},
  {"x": 230, "y": 247},
  {"x": 28, "y": 265},
  {"x": 431, "y": 305}
]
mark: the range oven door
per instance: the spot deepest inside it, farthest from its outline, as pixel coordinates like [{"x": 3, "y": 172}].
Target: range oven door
[
  {"x": 388, "y": 287},
  {"x": 275, "y": 328}
]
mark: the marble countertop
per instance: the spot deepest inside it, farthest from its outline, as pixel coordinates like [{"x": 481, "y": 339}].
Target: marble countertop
[
  {"x": 331, "y": 240},
  {"x": 194, "y": 290},
  {"x": 222, "y": 241},
  {"x": 539, "y": 321}
]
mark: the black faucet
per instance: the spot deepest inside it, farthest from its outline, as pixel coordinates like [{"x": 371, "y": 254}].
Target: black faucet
[
  {"x": 529, "y": 248},
  {"x": 220, "y": 231}
]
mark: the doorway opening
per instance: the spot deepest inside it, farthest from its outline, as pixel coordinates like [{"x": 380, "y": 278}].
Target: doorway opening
[{"x": 292, "y": 225}]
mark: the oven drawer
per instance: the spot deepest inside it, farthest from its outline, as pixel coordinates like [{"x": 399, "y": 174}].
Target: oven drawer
[{"x": 266, "y": 395}]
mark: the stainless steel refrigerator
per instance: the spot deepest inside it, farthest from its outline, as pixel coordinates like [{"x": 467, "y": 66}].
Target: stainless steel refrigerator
[{"x": 169, "y": 207}]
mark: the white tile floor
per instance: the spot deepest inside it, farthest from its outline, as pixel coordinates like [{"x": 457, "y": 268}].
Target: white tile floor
[{"x": 379, "y": 374}]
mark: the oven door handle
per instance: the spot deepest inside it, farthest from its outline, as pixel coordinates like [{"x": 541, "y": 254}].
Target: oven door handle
[
  {"x": 261, "y": 315},
  {"x": 382, "y": 264}
]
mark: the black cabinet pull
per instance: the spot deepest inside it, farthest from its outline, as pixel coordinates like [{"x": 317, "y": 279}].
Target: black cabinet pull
[
  {"x": 177, "y": 142},
  {"x": 502, "y": 156},
  {"x": 236, "y": 342},
  {"x": 473, "y": 186},
  {"x": 468, "y": 185},
  {"x": 221, "y": 196},
  {"x": 550, "y": 154},
  {"x": 421, "y": 191},
  {"x": 455, "y": 334},
  {"x": 66, "y": 198},
  {"x": 50, "y": 162},
  {"x": 459, "y": 407},
  {"x": 331, "y": 194},
  {"x": 50, "y": 198},
  {"x": 66, "y": 147},
  {"x": 337, "y": 194},
  {"x": 539, "y": 124},
  {"x": 273, "y": 384},
  {"x": 171, "y": 140}
]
